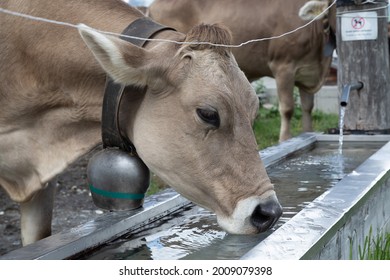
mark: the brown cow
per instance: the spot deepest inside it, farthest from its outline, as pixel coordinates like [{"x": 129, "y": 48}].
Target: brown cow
[
  {"x": 294, "y": 60},
  {"x": 199, "y": 139}
]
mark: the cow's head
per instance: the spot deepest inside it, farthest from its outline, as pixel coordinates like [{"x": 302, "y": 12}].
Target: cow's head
[{"x": 193, "y": 125}]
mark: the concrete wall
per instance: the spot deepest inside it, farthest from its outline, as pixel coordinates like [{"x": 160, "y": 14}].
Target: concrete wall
[
  {"x": 373, "y": 211},
  {"x": 369, "y": 210}
]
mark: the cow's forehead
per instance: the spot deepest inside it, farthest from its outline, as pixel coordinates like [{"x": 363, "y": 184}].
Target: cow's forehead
[
  {"x": 216, "y": 79},
  {"x": 246, "y": 96},
  {"x": 240, "y": 89},
  {"x": 223, "y": 71}
]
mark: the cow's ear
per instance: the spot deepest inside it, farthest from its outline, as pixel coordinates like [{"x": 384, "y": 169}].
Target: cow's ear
[
  {"x": 312, "y": 9},
  {"x": 123, "y": 62}
]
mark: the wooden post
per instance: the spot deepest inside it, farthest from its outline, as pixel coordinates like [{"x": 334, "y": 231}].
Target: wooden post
[{"x": 362, "y": 48}]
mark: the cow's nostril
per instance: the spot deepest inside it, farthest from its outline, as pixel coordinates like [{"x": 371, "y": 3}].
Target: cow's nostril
[{"x": 266, "y": 215}]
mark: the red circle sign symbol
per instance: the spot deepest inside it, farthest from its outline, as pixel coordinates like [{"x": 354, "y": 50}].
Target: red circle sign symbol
[{"x": 358, "y": 22}]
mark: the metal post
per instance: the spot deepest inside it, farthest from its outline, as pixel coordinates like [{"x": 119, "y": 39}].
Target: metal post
[{"x": 362, "y": 47}]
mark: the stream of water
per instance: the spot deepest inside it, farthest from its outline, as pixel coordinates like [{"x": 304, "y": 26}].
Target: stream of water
[{"x": 341, "y": 129}]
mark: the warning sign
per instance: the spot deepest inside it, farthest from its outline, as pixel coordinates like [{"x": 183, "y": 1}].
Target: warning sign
[
  {"x": 359, "y": 26},
  {"x": 358, "y": 22}
]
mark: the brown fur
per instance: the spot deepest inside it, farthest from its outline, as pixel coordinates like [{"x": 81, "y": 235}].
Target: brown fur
[{"x": 212, "y": 33}]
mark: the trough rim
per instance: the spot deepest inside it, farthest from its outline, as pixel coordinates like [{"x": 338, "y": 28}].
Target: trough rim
[{"x": 292, "y": 242}]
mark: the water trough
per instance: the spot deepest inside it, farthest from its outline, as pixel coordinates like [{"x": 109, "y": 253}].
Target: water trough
[{"x": 323, "y": 229}]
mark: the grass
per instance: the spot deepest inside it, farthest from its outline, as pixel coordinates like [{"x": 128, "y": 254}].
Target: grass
[
  {"x": 374, "y": 248},
  {"x": 267, "y": 125},
  {"x": 156, "y": 185}
]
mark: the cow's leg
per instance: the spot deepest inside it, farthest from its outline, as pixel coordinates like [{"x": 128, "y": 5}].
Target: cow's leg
[
  {"x": 307, "y": 104},
  {"x": 285, "y": 88},
  {"x": 36, "y": 215}
]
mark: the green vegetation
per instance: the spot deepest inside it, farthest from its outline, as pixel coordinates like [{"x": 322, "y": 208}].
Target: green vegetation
[
  {"x": 156, "y": 185},
  {"x": 267, "y": 125},
  {"x": 374, "y": 248}
]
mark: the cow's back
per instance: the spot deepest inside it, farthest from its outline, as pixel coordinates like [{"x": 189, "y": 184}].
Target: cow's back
[{"x": 253, "y": 19}]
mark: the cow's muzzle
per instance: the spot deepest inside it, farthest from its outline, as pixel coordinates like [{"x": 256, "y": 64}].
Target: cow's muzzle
[{"x": 266, "y": 214}]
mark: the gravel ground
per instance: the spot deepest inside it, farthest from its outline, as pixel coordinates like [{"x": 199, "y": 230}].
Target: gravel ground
[{"x": 73, "y": 206}]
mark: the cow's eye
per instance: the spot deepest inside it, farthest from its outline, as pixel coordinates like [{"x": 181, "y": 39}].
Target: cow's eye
[{"x": 209, "y": 116}]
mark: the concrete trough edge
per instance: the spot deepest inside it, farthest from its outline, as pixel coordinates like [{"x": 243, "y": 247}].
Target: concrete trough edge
[
  {"x": 307, "y": 234},
  {"x": 277, "y": 153},
  {"x": 71, "y": 242}
]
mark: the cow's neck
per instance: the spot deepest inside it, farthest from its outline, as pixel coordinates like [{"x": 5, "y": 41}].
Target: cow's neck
[
  {"x": 132, "y": 101},
  {"x": 111, "y": 133}
]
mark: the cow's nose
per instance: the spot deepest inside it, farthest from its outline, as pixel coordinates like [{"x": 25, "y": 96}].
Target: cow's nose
[{"x": 266, "y": 214}]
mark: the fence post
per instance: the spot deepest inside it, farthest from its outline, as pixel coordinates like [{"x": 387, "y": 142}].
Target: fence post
[{"x": 362, "y": 48}]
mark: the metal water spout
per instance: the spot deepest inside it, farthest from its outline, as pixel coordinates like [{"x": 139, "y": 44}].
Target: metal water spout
[{"x": 347, "y": 90}]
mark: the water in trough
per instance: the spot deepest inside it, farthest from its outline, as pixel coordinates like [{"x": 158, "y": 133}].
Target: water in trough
[{"x": 193, "y": 233}]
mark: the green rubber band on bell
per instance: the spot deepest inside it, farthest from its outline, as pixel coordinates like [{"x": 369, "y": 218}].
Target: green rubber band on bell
[{"x": 117, "y": 195}]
